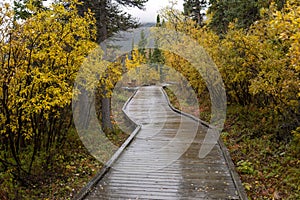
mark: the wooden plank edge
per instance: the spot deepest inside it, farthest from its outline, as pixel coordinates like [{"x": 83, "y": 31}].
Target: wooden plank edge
[
  {"x": 125, "y": 106},
  {"x": 183, "y": 113},
  {"x": 93, "y": 182},
  {"x": 234, "y": 175}
]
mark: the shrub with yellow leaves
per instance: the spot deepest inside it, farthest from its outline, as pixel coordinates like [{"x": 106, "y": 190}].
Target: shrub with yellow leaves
[{"x": 39, "y": 59}]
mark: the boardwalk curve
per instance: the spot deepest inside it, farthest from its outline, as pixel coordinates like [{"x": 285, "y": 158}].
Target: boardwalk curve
[{"x": 162, "y": 160}]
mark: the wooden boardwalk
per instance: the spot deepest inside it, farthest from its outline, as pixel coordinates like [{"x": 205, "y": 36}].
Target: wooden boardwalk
[{"x": 162, "y": 162}]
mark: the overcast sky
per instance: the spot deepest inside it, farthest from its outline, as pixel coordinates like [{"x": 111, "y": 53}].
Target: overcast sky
[{"x": 152, "y": 8}]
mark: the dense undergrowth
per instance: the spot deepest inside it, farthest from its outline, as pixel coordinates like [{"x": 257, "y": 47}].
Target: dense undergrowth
[
  {"x": 267, "y": 164},
  {"x": 72, "y": 168}
]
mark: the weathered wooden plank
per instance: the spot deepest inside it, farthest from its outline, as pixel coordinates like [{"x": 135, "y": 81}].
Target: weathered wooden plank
[{"x": 144, "y": 170}]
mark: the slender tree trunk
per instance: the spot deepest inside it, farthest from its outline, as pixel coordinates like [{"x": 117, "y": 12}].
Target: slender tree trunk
[
  {"x": 106, "y": 121},
  {"x": 105, "y": 100}
]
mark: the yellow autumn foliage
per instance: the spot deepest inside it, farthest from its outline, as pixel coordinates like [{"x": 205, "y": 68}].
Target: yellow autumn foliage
[
  {"x": 259, "y": 66},
  {"x": 39, "y": 59},
  {"x": 138, "y": 69}
]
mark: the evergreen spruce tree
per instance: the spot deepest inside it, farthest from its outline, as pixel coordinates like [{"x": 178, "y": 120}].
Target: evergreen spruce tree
[
  {"x": 157, "y": 58},
  {"x": 142, "y": 44},
  {"x": 195, "y": 10},
  {"x": 246, "y": 12}
]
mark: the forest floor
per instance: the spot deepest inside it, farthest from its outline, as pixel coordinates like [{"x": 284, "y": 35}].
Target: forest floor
[
  {"x": 70, "y": 172},
  {"x": 268, "y": 165}
]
